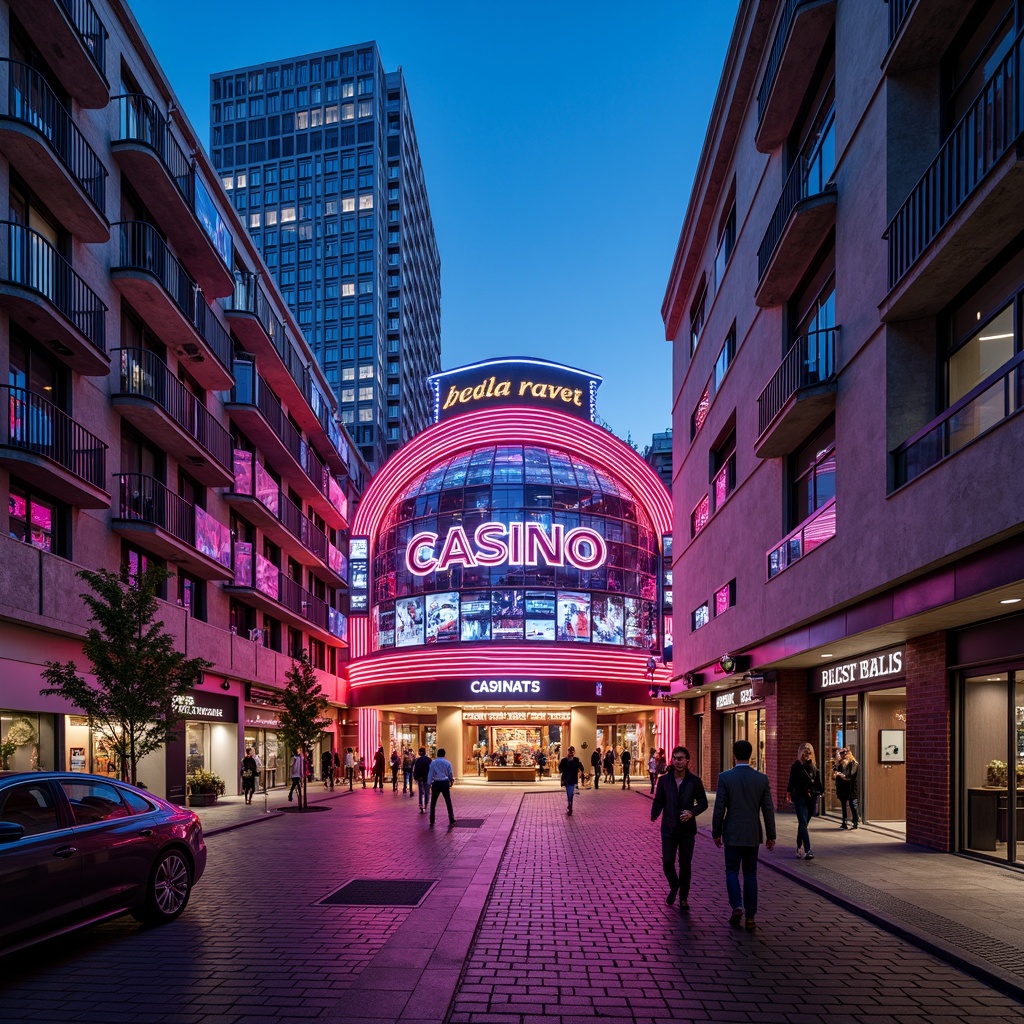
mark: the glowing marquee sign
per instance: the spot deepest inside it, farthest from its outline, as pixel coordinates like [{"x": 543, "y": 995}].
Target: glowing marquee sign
[{"x": 515, "y": 544}]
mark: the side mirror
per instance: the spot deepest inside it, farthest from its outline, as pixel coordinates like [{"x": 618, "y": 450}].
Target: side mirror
[{"x": 10, "y": 832}]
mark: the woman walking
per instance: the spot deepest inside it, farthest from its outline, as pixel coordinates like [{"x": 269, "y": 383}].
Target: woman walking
[
  {"x": 846, "y": 784},
  {"x": 249, "y": 772},
  {"x": 804, "y": 788}
]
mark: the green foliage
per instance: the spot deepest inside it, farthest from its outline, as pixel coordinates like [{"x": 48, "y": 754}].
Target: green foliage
[
  {"x": 138, "y": 672},
  {"x": 202, "y": 781},
  {"x": 7, "y": 748},
  {"x": 301, "y": 716}
]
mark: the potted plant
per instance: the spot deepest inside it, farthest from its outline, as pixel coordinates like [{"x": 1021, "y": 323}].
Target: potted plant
[
  {"x": 7, "y": 748},
  {"x": 203, "y": 787}
]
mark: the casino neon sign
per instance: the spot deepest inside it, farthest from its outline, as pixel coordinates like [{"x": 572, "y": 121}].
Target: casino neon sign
[{"x": 506, "y": 544}]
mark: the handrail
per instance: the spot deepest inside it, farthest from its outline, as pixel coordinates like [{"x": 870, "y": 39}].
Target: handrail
[
  {"x": 143, "y": 248},
  {"x": 249, "y": 297},
  {"x": 90, "y": 29},
  {"x": 811, "y": 359},
  {"x": 141, "y": 120},
  {"x": 897, "y": 12},
  {"x": 817, "y": 528},
  {"x": 31, "y": 101},
  {"x": 960, "y": 165},
  {"x": 37, "y": 425},
  {"x": 145, "y": 374},
  {"x": 934, "y": 441},
  {"x": 775, "y": 57},
  {"x": 147, "y": 500},
  {"x": 33, "y": 263}
]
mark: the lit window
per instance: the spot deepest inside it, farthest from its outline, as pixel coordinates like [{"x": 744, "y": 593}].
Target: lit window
[
  {"x": 271, "y": 218},
  {"x": 366, "y": 394},
  {"x": 331, "y": 114},
  {"x": 365, "y": 415},
  {"x": 347, "y": 416},
  {"x": 348, "y": 205},
  {"x": 347, "y": 112},
  {"x": 316, "y": 117},
  {"x": 254, "y": 220},
  {"x": 365, "y": 108},
  {"x": 700, "y": 515},
  {"x": 700, "y": 414},
  {"x": 347, "y": 90},
  {"x": 301, "y": 119},
  {"x": 240, "y": 182},
  {"x": 348, "y": 373},
  {"x": 228, "y": 182},
  {"x": 288, "y": 215},
  {"x": 725, "y": 597},
  {"x": 366, "y": 202},
  {"x": 366, "y": 372},
  {"x": 348, "y": 288},
  {"x": 348, "y": 394},
  {"x": 700, "y": 617}
]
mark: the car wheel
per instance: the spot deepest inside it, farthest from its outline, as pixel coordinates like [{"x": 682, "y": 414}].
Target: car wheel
[{"x": 168, "y": 890}]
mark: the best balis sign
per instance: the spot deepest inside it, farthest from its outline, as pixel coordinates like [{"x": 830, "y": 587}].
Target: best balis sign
[{"x": 500, "y": 544}]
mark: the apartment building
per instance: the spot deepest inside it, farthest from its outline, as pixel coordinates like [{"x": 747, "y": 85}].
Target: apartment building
[
  {"x": 163, "y": 406},
  {"x": 320, "y": 157},
  {"x": 844, "y": 307}
]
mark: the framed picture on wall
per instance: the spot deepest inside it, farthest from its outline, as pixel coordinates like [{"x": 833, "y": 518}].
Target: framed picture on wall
[{"x": 892, "y": 748}]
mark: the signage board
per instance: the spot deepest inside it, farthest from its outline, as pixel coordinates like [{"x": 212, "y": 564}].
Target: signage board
[{"x": 880, "y": 667}]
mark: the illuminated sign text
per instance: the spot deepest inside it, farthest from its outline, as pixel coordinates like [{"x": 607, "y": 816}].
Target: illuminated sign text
[{"x": 505, "y": 686}]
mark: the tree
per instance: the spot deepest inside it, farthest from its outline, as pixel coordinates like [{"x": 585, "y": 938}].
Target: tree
[
  {"x": 301, "y": 717},
  {"x": 140, "y": 677}
]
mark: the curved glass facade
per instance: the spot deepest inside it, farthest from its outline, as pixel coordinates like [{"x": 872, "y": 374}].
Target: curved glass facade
[{"x": 542, "y": 506}]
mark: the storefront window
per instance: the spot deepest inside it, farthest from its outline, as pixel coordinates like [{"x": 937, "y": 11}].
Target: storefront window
[
  {"x": 841, "y": 730},
  {"x": 26, "y": 741}
]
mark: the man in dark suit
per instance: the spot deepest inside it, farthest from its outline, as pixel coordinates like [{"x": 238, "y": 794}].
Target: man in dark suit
[
  {"x": 680, "y": 794},
  {"x": 744, "y": 796}
]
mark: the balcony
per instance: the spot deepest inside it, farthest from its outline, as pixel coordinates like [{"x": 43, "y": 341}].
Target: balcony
[
  {"x": 48, "y": 299},
  {"x": 165, "y": 524},
  {"x": 172, "y": 304},
  {"x": 920, "y": 33},
  {"x": 166, "y": 181},
  {"x": 799, "y": 396},
  {"x": 47, "y": 449},
  {"x": 258, "y": 411},
  {"x": 799, "y": 40},
  {"x": 954, "y": 222},
  {"x": 149, "y": 396},
  {"x": 810, "y": 534},
  {"x": 280, "y": 519},
  {"x": 259, "y": 583},
  {"x": 982, "y": 409},
  {"x": 73, "y": 40},
  {"x": 40, "y": 138},
  {"x": 803, "y": 218}
]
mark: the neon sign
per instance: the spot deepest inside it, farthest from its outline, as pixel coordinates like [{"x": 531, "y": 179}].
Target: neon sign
[{"x": 515, "y": 544}]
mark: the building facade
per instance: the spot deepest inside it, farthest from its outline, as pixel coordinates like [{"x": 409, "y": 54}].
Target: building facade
[
  {"x": 508, "y": 596},
  {"x": 319, "y": 155},
  {"x": 844, "y": 307},
  {"x": 163, "y": 407},
  {"x": 658, "y": 455}
]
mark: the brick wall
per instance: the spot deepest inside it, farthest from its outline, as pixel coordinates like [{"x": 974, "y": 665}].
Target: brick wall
[
  {"x": 790, "y": 719},
  {"x": 929, "y": 714}
]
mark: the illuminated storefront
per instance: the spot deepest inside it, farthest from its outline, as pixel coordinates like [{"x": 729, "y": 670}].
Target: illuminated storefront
[{"x": 509, "y": 580}]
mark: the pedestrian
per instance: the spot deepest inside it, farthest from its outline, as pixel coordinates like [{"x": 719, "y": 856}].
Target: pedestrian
[
  {"x": 378, "y": 769},
  {"x": 249, "y": 772},
  {"x": 661, "y": 765},
  {"x": 804, "y": 788},
  {"x": 362, "y": 769},
  {"x": 652, "y": 769},
  {"x": 407, "y": 762},
  {"x": 327, "y": 769},
  {"x": 298, "y": 769},
  {"x": 396, "y": 763},
  {"x": 335, "y": 768},
  {"x": 542, "y": 764},
  {"x": 609, "y": 765},
  {"x": 440, "y": 777},
  {"x": 743, "y": 798},
  {"x": 350, "y": 767},
  {"x": 846, "y": 784},
  {"x": 680, "y": 794},
  {"x": 570, "y": 768},
  {"x": 595, "y": 763},
  {"x": 626, "y": 759},
  {"x": 420, "y": 770}
]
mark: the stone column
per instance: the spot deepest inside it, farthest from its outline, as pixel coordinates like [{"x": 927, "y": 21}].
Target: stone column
[{"x": 449, "y": 735}]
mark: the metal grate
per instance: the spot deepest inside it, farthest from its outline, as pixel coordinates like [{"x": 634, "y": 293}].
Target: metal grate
[
  {"x": 469, "y": 822},
  {"x": 377, "y": 892}
]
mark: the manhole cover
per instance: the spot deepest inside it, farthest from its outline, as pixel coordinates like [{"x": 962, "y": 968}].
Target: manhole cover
[
  {"x": 372, "y": 892},
  {"x": 469, "y": 822}
]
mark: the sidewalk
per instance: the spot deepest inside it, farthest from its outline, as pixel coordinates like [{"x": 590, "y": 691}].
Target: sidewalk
[{"x": 962, "y": 910}]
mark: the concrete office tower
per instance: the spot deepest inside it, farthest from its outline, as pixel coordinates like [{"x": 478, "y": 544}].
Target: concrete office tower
[
  {"x": 320, "y": 156},
  {"x": 845, "y": 309}
]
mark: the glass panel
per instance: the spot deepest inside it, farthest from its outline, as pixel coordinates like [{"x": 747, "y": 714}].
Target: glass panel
[
  {"x": 985, "y": 768},
  {"x": 1018, "y": 732},
  {"x": 981, "y": 355}
]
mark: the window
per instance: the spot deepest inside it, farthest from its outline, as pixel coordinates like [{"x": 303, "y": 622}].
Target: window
[
  {"x": 814, "y": 474},
  {"x": 365, "y": 415},
  {"x": 725, "y": 358},
  {"x": 725, "y": 598},
  {"x": 700, "y": 413},
  {"x": 700, "y": 515},
  {"x": 726, "y": 244},
  {"x": 366, "y": 202},
  {"x": 366, "y": 394},
  {"x": 699, "y": 617},
  {"x": 365, "y": 108},
  {"x": 697, "y": 315},
  {"x": 723, "y": 470},
  {"x": 31, "y": 806},
  {"x": 35, "y": 519},
  {"x": 366, "y": 372},
  {"x": 348, "y": 394}
]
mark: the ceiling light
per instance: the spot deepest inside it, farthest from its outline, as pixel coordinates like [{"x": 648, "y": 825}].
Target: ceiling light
[
  {"x": 1010, "y": 600},
  {"x": 994, "y": 337},
  {"x": 828, "y": 655}
]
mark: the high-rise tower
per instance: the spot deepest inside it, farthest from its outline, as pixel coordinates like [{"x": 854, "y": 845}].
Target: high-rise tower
[{"x": 319, "y": 154}]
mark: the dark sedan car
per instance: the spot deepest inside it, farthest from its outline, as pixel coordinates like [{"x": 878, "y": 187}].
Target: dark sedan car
[{"x": 75, "y": 849}]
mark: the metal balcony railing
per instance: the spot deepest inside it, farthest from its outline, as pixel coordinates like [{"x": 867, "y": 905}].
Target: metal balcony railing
[
  {"x": 249, "y": 297},
  {"x": 142, "y": 248},
  {"x": 146, "y": 375},
  {"x": 35, "y": 425},
  {"x": 775, "y": 57},
  {"x": 898, "y": 10},
  {"x": 810, "y": 360},
  {"x": 141, "y": 120},
  {"x": 985, "y": 406},
  {"x": 812, "y": 532},
  {"x": 147, "y": 500},
  {"x": 31, "y": 101},
  {"x": 91, "y": 30},
  {"x": 33, "y": 263},
  {"x": 985, "y": 133}
]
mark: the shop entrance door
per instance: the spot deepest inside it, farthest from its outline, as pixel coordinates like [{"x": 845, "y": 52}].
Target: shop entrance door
[{"x": 841, "y": 729}]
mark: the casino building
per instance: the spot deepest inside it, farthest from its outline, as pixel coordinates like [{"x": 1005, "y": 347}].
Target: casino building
[{"x": 510, "y": 590}]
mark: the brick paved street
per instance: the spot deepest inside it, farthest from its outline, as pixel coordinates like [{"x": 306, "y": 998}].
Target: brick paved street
[{"x": 536, "y": 919}]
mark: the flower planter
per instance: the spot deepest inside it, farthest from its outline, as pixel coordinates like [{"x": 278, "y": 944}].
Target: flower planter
[{"x": 202, "y": 799}]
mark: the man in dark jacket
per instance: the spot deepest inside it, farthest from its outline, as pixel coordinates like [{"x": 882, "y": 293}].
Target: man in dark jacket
[
  {"x": 595, "y": 763},
  {"x": 420, "y": 771},
  {"x": 571, "y": 770},
  {"x": 680, "y": 794}
]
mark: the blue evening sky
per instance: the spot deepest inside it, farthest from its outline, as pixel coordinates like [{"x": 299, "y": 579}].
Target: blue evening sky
[{"x": 559, "y": 141}]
